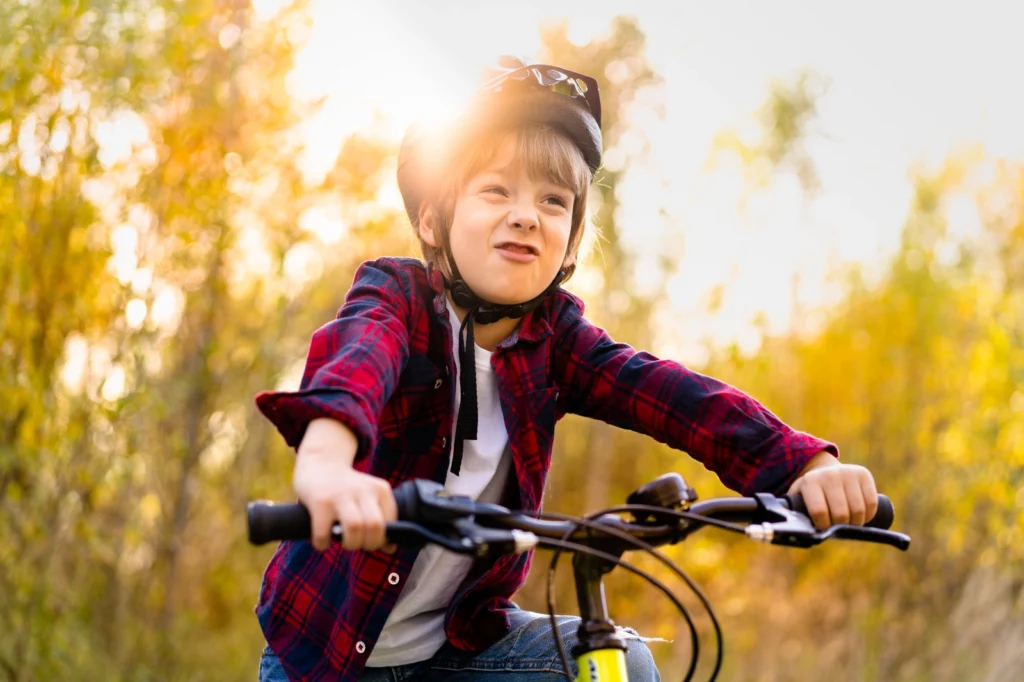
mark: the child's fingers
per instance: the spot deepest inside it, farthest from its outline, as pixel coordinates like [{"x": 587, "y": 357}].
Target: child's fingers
[
  {"x": 386, "y": 500},
  {"x": 838, "y": 504},
  {"x": 817, "y": 507},
  {"x": 353, "y": 524},
  {"x": 373, "y": 529},
  {"x": 389, "y": 509},
  {"x": 838, "y": 494},
  {"x": 322, "y": 517},
  {"x": 870, "y": 493},
  {"x": 855, "y": 500}
]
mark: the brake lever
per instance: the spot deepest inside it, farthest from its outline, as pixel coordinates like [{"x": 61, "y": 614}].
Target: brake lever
[
  {"x": 883, "y": 537},
  {"x": 793, "y": 529},
  {"x": 427, "y": 514},
  {"x": 427, "y": 503},
  {"x": 782, "y": 526},
  {"x": 409, "y": 534},
  {"x": 493, "y": 541}
]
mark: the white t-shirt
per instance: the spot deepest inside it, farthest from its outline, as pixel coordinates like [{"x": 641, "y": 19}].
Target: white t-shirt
[{"x": 415, "y": 629}]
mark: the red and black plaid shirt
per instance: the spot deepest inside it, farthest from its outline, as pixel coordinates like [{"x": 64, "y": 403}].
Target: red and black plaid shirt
[{"x": 385, "y": 369}]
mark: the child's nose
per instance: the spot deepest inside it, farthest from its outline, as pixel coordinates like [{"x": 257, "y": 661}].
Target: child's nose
[{"x": 522, "y": 217}]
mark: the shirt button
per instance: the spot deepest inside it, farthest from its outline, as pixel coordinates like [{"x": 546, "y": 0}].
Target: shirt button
[
  {"x": 393, "y": 578},
  {"x": 360, "y": 647},
  {"x": 437, "y": 384},
  {"x": 444, "y": 441}
]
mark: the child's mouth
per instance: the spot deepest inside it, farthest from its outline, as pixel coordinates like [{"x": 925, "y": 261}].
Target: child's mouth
[{"x": 520, "y": 253}]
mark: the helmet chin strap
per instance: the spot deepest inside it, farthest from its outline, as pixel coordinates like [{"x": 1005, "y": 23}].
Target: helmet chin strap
[{"x": 480, "y": 311}]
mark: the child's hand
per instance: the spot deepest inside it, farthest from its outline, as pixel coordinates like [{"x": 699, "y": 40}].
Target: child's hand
[
  {"x": 332, "y": 490},
  {"x": 836, "y": 493}
]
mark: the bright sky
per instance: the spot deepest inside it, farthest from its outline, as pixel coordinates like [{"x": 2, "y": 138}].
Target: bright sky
[{"x": 911, "y": 82}]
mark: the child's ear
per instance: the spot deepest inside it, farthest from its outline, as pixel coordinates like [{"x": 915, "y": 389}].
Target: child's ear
[
  {"x": 426, "y": 223},
  {"x": 570, "y": 259}
]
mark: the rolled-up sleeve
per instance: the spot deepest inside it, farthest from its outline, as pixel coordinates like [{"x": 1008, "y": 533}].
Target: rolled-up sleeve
[
  {"x": 354, "y": 361},
  {"x": 730, "y": 433}
]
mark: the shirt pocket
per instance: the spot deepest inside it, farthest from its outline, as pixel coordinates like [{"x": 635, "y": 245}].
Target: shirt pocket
[
  {"x": 415, "y": 403},
  {"x": 420, "y": 373}
]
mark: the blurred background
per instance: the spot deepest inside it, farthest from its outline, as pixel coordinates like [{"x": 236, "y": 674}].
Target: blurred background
[{"x": 820, "y": 203}]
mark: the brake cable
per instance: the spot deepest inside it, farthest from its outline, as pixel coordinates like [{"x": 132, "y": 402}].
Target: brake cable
[
  {"x": 587, "y": 522},
  {"x": 691, "y": 516},
  {"x": 566, "y": 546},
  {"x": 679, "y": 513}
]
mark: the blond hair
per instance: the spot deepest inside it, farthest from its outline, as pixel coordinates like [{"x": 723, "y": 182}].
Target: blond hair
[{"x": 541, "y": 150}]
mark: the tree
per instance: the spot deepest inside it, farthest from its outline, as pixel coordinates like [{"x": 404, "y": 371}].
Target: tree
[
  {"x": 156, "y": 268},
  {"x": 783, "y": 123}
]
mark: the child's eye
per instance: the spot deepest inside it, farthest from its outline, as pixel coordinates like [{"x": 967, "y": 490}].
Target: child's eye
[
  {"x": 495, "y": 189},
  {"x": 557, "y": 201}
]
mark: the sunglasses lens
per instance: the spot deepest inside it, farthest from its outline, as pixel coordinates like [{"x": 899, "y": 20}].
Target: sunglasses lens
[{"x": 562, "y": 89}]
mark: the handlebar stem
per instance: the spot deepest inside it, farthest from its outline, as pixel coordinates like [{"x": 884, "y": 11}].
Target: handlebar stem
[{"x": 596, "y": 631}]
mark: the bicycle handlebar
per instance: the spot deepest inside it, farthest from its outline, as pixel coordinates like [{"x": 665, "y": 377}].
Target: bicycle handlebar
[{"x": 461, "y": 525}]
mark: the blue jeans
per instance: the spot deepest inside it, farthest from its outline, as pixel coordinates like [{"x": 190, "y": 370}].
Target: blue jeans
[{"x": 527, "y": 652}]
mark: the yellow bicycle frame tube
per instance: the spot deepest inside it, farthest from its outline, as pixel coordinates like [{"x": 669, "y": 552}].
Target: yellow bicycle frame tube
[{"x": 602, "y": 665}]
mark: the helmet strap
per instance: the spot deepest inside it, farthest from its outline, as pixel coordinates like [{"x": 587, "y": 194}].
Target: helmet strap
[{"x": 480, "y": 311}]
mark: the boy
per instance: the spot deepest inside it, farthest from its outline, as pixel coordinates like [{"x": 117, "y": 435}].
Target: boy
[{"x": 499, "y": 208}]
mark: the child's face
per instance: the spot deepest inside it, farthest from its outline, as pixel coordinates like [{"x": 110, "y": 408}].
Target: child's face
[{"x": 509, "y": 232}]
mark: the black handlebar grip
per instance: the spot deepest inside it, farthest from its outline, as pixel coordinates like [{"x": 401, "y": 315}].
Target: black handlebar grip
[
  {"x": 270, "y": 522},
  {"x": 883, "y": 517},
  {"x": 279, "y": 521}
]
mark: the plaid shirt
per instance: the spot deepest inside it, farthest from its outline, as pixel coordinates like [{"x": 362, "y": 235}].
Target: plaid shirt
[{"x": 385, "y": 369}]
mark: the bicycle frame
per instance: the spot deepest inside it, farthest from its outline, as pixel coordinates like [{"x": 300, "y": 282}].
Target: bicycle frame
[
  {"x": 601, "y": 652},
  {"x": 602, "y": 665}
]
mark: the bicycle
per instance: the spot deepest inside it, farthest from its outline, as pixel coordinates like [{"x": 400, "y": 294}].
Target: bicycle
[{"x": 665, "y": 511}]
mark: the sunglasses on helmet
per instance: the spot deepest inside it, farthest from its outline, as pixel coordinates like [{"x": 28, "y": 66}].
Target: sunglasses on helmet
[{"x": 554, "y": 79}]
